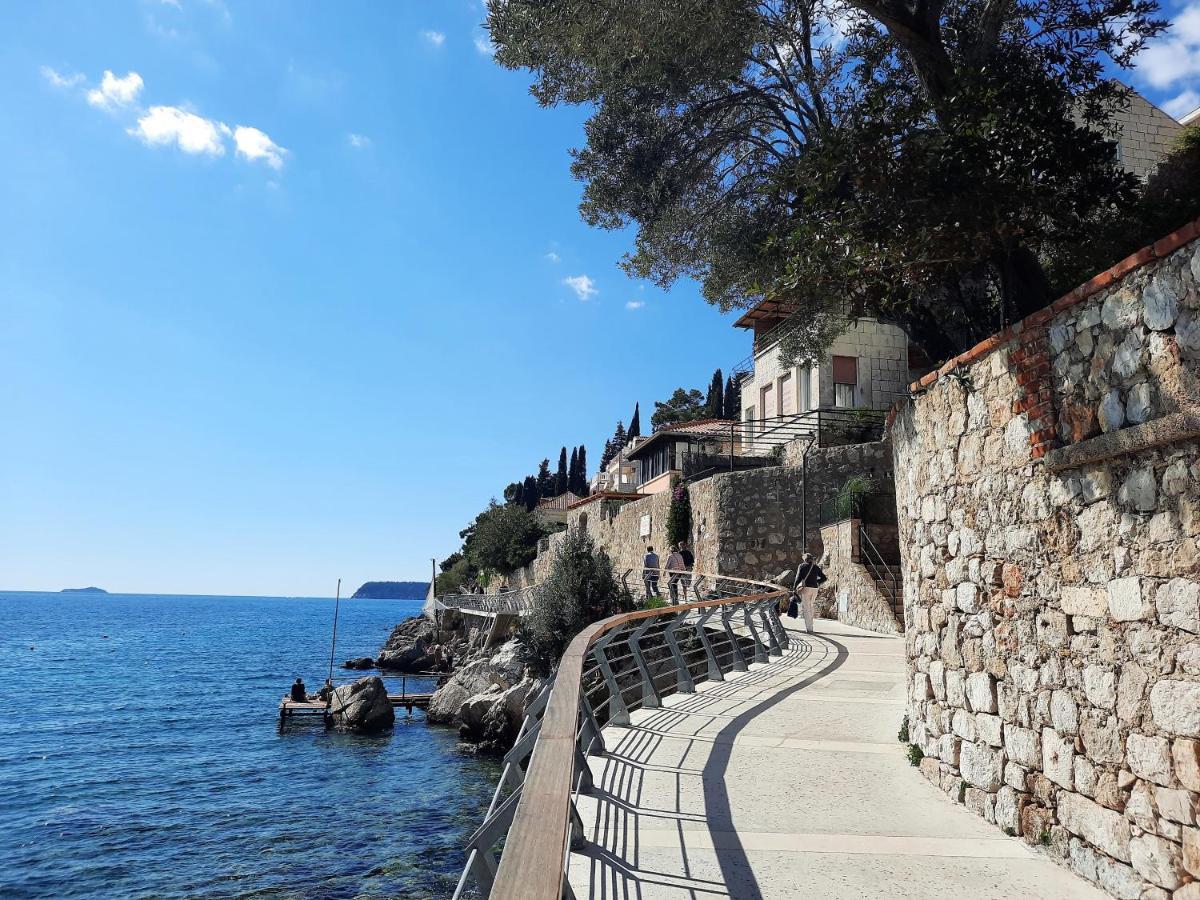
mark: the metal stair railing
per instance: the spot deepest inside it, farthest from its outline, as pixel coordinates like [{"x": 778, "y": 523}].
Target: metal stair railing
[
  {"x": 613, "y": 667},
  {"x": 879, "y": 569}
]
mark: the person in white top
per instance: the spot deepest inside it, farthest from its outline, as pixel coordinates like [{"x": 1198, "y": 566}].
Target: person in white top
[{"x": 675, "y": 567}]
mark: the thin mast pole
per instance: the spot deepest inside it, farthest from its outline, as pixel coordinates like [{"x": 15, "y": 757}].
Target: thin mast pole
[{"x": 333, "y": 645}]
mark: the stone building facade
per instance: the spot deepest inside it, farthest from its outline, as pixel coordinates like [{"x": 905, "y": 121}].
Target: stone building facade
[
  {"x": 1048, "y": 488},
  {"x": 1144, "y": 135}
]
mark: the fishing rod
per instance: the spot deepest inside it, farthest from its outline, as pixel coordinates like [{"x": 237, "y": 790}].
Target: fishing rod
[{"x": 333, "y": 645}]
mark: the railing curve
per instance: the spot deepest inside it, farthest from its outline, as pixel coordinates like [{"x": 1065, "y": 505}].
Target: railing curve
[{"x": 537, "y": 822}]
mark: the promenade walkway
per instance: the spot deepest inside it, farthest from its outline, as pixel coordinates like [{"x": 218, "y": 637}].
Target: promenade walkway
[{"x": 788, "y": 781}]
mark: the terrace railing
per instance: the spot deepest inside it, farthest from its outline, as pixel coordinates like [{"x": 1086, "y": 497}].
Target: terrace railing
[
  {"x": 515, "y": 602},
  {"x": 618, "y": 665}
]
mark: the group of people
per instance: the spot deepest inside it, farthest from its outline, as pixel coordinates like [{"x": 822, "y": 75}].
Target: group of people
[
  {"x": 678, "y": 569},
  {"x": 298, "y": 694}
]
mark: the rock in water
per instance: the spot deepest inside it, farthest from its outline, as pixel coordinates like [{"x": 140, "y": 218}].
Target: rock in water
[
  {"x": 361, "y": 662},
  {"x": 362, "y": 707}
]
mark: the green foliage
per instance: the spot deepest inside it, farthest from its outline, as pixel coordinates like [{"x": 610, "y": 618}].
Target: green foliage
[
  {"x": 903, "y": 735},
  {"x": 915, "y": 755},
  {"x": 502, "y": 539},
  {"x": 714, "y": 403},
  {"x": 733, "y": 400},
  {"x": 653, "y": 603},
  {"x": 580, "y": 589},
  {"x": 679, "y": 516},
  {"x": 923, "y": 170},
  {"x": 560, "y": 477},
  {"x": 1044, "y": 838},
  {"x": 848, "y": 501},
  {"x": 683, "y": 406},
  {"x": 635, "y": 423}
]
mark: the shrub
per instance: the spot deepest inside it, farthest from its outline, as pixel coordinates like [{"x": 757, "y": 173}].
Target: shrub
[
  {"x": 679, "y": 516},
  {"x": 915, "y": 755},
  {"x": 579, "y": 590},
  {"x": 903, "y": 735}
]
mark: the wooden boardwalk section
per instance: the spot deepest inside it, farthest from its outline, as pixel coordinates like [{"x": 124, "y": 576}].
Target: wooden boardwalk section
[{"x": 289, "y": 708}]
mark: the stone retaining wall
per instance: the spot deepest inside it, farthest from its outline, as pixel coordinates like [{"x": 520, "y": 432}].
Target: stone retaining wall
[
  {"x": 1049, "y": 506},
  {"x": 851, "y": 594}
]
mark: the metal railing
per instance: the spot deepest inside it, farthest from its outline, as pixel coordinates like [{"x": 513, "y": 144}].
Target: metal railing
[
  {"x": 621, "y": 664},
  {"x": 515, "y": 602},
  {"x": 880, "y": 570}
]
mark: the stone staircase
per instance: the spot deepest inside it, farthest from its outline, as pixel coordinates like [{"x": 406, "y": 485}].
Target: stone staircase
[{"x": 887, "y": 576}]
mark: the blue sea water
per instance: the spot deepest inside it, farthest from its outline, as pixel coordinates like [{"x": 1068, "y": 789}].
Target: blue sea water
[{"x": 140, "y": 756}]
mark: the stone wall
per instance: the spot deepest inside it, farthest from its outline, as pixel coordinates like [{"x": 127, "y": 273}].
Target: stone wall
[
  {"x": 851, "y": 594},
  {"x": 1049, "y": 500}
]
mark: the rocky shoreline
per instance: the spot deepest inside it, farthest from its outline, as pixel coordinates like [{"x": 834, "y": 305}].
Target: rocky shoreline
[{"x": 485, "y": 691}]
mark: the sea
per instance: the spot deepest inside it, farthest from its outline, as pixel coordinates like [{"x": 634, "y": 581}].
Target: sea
[{"x": 140, "y": 756}]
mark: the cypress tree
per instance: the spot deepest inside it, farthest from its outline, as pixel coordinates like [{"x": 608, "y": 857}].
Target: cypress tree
[
  {"x": 733, "y": 399},
  {"x": 583, "y": 476},
  {"x": 573, "y": 472},
  {"x": 529, "y": 492},
  {"x": 560, "y": 477},
  {"x": 545, "y": 481},
  {"x": 620, "y": 439},
  {"x": 715, "y": 402},
  {"x": 635, "y": 424},
  {"x": 607, "y": 455}
]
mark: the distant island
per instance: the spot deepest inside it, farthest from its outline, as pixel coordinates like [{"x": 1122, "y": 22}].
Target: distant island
[
  {"x": 392, "y": 590},
  {"x": 86, "y": 590}
]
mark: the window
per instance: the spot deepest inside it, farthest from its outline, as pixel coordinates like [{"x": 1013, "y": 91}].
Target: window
[{"x": 845, "y": 381}]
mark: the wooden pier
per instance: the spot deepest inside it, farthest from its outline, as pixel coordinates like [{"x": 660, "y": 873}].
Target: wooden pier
[{"x": 289, "y": 708}]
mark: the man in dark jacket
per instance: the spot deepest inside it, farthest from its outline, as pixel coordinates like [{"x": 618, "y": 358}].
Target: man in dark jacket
[{"x": 809, "y": 578}]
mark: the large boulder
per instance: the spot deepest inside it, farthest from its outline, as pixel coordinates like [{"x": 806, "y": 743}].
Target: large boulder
[
  {"x": 360, "y": 662},
  {"x": 418, "y": 645},
  {"x": 502, "y": 670},
  {"x": 362, "y": 707}
]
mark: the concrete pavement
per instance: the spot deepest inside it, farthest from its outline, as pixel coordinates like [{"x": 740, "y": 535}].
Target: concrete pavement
[{"x": 789, "y": 781}]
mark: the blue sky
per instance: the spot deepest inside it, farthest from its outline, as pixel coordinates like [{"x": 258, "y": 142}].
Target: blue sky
[{"x": 296, "y": 288}]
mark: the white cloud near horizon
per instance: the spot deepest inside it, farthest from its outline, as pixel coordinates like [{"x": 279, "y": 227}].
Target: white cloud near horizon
[
  {"x": 1175, "y": 56},
  {"x": 433, "y": 38},
  {"x": 1183, "y": 104},
  {"x": 193, "y": 134},
  {"x": 358, "y": 141},
  {"x": 635, "y": 304},
  {"x": 255, "y": 145},
  {"x": 114, "y": 91},
  {"x": 583, "y": 286},
  {"x": 62, "y": 81},
  {"x": 484, "y": 45}
]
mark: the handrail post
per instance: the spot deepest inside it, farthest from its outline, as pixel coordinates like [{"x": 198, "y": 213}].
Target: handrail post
[
  {"x": 714, "y": 668},
  {"x": 650, "y": 698},
  {"x": 773, "y": 647},
  {"x": 590, "y": 729},
  {"x": 618, "y": 712},
  {"x": 684, "y": 683},
  {"x": 760, "y": 649},
  {"x": 739, "y": 661}
]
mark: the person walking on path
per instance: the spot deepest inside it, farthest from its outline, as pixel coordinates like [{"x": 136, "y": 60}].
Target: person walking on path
[
  {"x": 650, "y": 573},
  {"x": 689, "y": 562},
  {"x": 674, "y": 573},
  {"x": 809, "y": 578}
]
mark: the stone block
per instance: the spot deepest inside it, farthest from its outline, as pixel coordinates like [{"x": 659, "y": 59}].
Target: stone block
[
  {"x": 1100, "y": 827},
  {"x": 1014, "y": 776},
  {"x": 981, "y": 692},
  {"x": 981, "y": 766},
  {"x": 1084, "y": 601},
  {"x": 1118, "y": 879},
  {"x": 937, "y": 678},
  {"x": 988, "y": 728},
  {"x": 1064, "y": 712},
  {"x": 1139, "y": 490},
  {"x": 1185, "y": 754},
  {"x": 1125, "y": 601},
  {"x": 1191, "y": 851},
  {"x": 1100, "y": 686},
  {"x": 1085, "y": 776},
  {"x": 1156, "y": 860},
  {"x": 1175, "y": 706},
  {"x": 1058, "y": 759},
  {"x": 1178, "y": 604},
  {"x": 1149, "y": 757},
  {"x": 1023, "y": 745},
  {"x": 956, "y": 694},
  {"x": 1175, "y": 805},
  {"x": 1131, "y": 689},
  {"x": 963, "y": 725}
]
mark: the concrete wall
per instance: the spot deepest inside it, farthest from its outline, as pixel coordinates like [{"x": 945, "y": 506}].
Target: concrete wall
[{"x": 1049, "y": 499}]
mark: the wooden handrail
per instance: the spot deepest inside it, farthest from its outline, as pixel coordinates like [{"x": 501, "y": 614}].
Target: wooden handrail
[{"x": 534, "y": 861}]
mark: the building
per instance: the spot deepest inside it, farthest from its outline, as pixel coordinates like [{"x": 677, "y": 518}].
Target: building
[
  {"x": 553, "y": 510},
  {"x": 684, "y": 450},
  {"x": 1144, "y": 135}
]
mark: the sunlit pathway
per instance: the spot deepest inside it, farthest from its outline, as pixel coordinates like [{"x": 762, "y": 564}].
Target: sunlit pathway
[{"x": 788, "y": 781}]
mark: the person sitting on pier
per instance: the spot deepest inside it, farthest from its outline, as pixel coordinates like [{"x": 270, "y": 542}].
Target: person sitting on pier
[
  {"x": 298, "y": 693},
  {"x": 326, "y": 691}
]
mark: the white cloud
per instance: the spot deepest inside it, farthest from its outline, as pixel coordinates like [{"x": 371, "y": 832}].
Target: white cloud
[
  {"x": 583, "y": 286},
  {"x": 635, "y": 304},
  {"x": 1177, "y": 55},
  {"x": 165, "y": 125},
  {"x": 484, "y": 45},
  {"x": 114, "y": 91},
  {"x": 61, "y": 81},
  {"x": 435, "y": 38},
  {"x": 1183, "y": 104},
  {"x": 254, "y": 144},
  {"x": 553, "y": 257},
  {"x": 174, "y": 3},
  {"x": 358, "y": 141}
]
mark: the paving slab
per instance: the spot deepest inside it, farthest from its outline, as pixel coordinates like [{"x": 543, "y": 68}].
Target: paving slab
[{"x": 789, "y": 781}]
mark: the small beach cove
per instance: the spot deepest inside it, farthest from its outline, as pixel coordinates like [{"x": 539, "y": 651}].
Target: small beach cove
[{"x": 141, "y": 758}]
